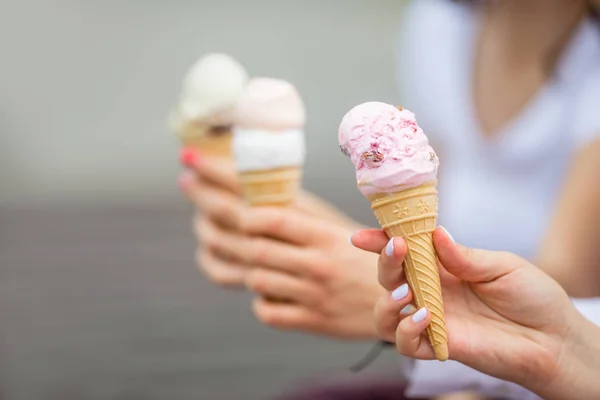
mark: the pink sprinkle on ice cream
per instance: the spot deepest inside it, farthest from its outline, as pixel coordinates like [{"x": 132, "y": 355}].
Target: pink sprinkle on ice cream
[{"x": 387, "y": 147}]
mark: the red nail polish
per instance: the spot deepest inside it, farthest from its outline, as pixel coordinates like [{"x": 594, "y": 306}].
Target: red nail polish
[{"x": 188, "y": 157}]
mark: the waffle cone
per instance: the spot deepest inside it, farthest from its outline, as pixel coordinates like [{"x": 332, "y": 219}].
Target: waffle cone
[
  {"x": 275, "y": 187},
  {"x": 412, "y": 214},
  {"x": 200, "y": 138}
]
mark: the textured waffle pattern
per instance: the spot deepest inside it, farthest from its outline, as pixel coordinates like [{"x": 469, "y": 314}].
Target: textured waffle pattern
[
  {"x": 412, "y": 214},
  {"x": 276, "y": 187}
]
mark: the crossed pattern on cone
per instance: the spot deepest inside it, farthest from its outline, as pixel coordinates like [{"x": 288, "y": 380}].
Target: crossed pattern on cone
[
  {"x": 200, "y": 138},
  {"x": 275, "y": 187},
  {"x": 412, "y": 214}
]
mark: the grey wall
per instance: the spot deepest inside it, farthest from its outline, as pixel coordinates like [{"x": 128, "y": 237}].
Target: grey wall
[
  {"x": 106, "y": 303},
  {"x": 85, "y": 86}
]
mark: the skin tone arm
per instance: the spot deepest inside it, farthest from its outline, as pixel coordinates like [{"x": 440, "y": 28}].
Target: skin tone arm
[{"x": 572, "y": 238}]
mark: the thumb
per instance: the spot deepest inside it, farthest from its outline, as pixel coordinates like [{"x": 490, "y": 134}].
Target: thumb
[
  {"x": 472, "y": 265},
  {"x": 217, "y": 170}
]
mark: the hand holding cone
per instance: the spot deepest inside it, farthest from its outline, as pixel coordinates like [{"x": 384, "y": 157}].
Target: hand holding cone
[{"x": 396, "y": 170}]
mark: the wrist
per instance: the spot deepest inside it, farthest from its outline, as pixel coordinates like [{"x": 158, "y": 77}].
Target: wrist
[{"x": 578, "y": 365}]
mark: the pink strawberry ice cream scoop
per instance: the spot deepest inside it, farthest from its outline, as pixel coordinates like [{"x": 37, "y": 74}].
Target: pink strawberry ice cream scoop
[{"x": 387, "y": 147}]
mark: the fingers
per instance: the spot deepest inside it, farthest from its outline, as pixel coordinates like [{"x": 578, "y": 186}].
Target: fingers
[
  {"x": 388, "y": 311},
  {"x": 392, "y": 252},
  {"x": 389, "y": 265},
  {"x": 411, "y": 340},
  {"x": 471, "y": 265},
  {"x": 283, "y": 223},
  {"x": 274, "y": 284},
  {"x": 372, "y": 240},
  {"x": 221, "y": 205},
  {"x": 229, "y": 274},
  {"x": 287, "y": 316},
  {"x": 217, "y": 171},
  {"x": 311, "y": 204},
  {"x": 186, "y": 179},
  {"x": 260, "y": 251}
]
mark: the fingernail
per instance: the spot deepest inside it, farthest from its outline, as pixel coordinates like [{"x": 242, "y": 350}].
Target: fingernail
[
  {"x": 350, "y": 239},
  {"x": 389, "y": 249},
  {"x": 408, "y": 309},
  {"x": 185, "y": 178},
  {"x": 188, "y": 157},
  {"x": 419, "y": 315},
  {"x": 400, "y": 293},
  {"x": 448, "y": 234}
]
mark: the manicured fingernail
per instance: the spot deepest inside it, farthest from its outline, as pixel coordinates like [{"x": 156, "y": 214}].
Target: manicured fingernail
[
  {"x": 448, "y": 234},
  {"x": 389, "y": 249},
  {"x": 400, "y": 293},
  {"x": 408, "y": 309},
  {"x": 419, "y": 315},
  {"x": 188, "y": 157},
  {"x": 185, "y": 179}
]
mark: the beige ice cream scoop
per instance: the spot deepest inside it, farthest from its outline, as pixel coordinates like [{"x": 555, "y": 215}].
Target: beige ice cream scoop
[{"x": 205, "y": 114}]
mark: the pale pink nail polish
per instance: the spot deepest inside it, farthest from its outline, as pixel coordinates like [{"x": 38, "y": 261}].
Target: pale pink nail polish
[
  {"x": 420, "y": 315},
  {"x": 400, "y": 293},
  {"x": 448, "y": 234},
  {"x": 389, "y": 249},
  {"x": 409, "y": 309}
]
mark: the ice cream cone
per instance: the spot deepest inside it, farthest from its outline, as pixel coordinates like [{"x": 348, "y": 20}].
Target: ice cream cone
[
  {"x": 208, "y": 143},
  {"x": 412, "y": 214},
  {"x": 274, "y": 187},
  {"x": 205, "y": 113},
  {"x": 268, "y": 142}
]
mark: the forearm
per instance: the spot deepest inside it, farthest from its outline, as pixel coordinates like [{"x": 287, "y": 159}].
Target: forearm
[
  {"x": 581, "y": 282},
  {"x": 569, "y": 252},
  {"x": 578, "y": 373}
]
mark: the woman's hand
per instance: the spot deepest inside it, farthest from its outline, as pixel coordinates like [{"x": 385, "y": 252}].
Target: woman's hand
[
  {"x": 504, "y": 316},
  {"x": 321, "y": 283},
  {"x": 298, "y": 255},
  {"x": 212, "y": 186}
]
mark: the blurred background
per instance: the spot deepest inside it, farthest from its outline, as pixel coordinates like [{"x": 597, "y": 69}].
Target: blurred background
[{"x": 100, "y": 297}]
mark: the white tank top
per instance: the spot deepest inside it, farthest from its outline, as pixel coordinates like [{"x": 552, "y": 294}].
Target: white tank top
[{"x": 498, "y": 193}]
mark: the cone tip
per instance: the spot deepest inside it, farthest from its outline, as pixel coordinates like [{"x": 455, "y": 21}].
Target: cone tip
[{"x": 441, "y": 351}]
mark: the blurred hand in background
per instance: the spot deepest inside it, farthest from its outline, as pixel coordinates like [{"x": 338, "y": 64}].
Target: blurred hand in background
[{"x": 298, "y": 255}]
